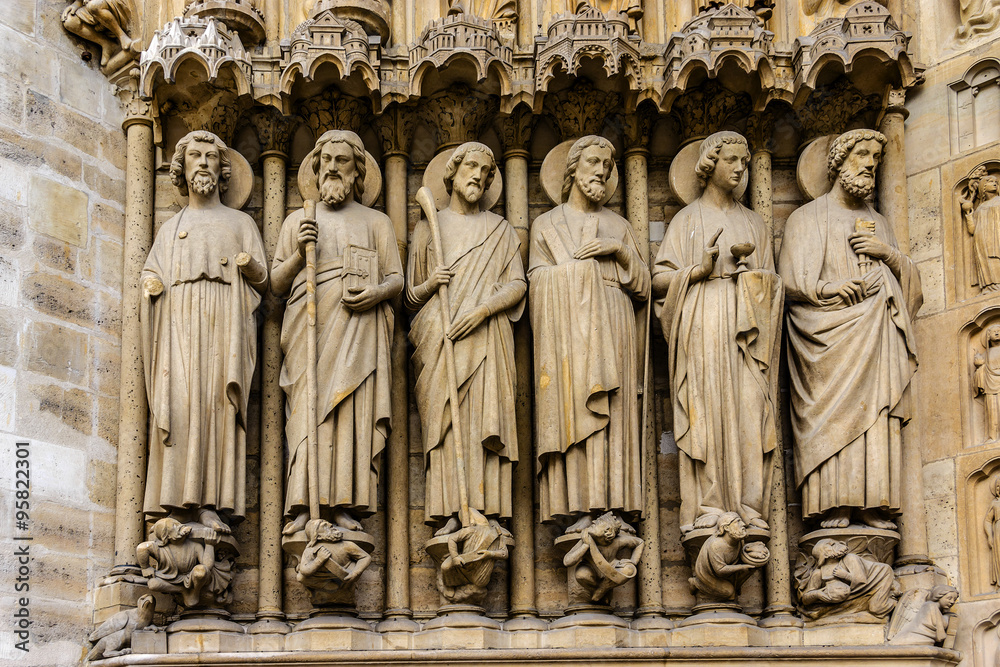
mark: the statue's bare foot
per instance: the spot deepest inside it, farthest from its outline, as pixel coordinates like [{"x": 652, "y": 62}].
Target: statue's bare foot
[
  {"x": 875, "y": 519},
  {"x": 298, "y": 524},
  {"x": 837, "y": 518},
  {"x": 342, "y": 519},
  {"x": 580, "y": 525},
  {"x": 708, "y": 520},
  {"x": 208, "y": 518},
  {"x": 450, "y": 527}
]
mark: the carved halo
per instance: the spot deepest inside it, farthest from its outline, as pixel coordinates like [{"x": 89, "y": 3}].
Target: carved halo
[
  {"x": 554, "y": 171},
  {"x": 240, "y": 182},
  {"x": 684, "y": 181},
  {"x": 434, "y": 179},
  {"x": 308, "y": 188},
  {"x": 811, "y": 171}
]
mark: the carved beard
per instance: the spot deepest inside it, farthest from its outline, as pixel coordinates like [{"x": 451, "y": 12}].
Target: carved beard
[
  {"x": 204, "y": 184},
  {"x": 593, "y": 189},
  {"x": 471, "y": 192},
  {"x": 857, "y": 184},
  {"x": 335, "y": 188}
]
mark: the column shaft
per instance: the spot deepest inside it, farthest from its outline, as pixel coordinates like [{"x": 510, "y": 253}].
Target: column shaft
[
  {"x": 272, "y": 411},
  {"x": 134, "y": 409},
  {"x": 761, "y": 195}
]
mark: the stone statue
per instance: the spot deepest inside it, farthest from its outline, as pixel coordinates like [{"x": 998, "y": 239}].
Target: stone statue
[
  {"x": 921, "y": 617},
  {"x": 721, "y": 314},
  {"x": 835, "y": 583},
  {"x": 357, "y": 272},
  {"x": 978, "y": 17},
  {"x": 328, "y": 561},
  {"x": 105, "y": 23},
  {"x": 466, "y": 569},
  {"x": 594, "y": 560},
  {"x": 201, "y": 284},
  {"x": 981, "y": 212},
  {"x": 991, "y": 524},
  {"x": 986, "y": 380},
  {"x": 485, "y": 278},
  {"x": 181, "y": 559},
  {"x": 851, "y": 295},
  {"x": 585, "y": 273},
  {"x": 725, "y": 561},
  {"x": 114, "y": 636}
]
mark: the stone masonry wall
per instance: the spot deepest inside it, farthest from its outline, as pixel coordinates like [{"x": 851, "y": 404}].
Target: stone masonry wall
[{"x": 62, "y": 188}]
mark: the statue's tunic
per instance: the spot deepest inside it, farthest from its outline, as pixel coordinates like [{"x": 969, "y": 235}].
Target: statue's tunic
[
  {"x": 849, "y": 366},
  {"x": 199, "y": 345},
  {"x": 482, "y": 251},
  {"x": 986, "y": 244},
  {"x": 587, "y": 364},
  {"x": 724, "y": 338},
  {"x": 353, "y": 365}
]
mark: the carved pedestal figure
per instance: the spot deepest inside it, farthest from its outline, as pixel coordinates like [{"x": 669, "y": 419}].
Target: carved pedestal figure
[
  {"x": 851, "y": 346},
  {"x": 981, "y": 212},
  {"x": 201, "y": 284},
  {"x": 723, "y": 563},
  {"x": 836, "y": 585},
  {"x": 476, "y": 290},
  {"x": 189, "y": 561},
  {"x": 114, "y": 636},
  {"x": 922, "y": 618},
  {"x": 585, "y": 274},
  {"x": 594, "y": 560},
  {"x": 986, "y": 380},
  {"x": 106, "y": 23},
  {"x": 336, "y": 360}
]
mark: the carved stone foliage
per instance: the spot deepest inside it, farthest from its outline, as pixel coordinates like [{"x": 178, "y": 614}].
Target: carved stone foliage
[
  {"x": 975, "y": 107},
  {"x": 514, "y": 130},
  {"x": 334, "y": 111},
  {"x": 468, "y": 34},
  {"x": 715, "y": 36},
  {"x": 395, "y": 129},
  {"x": 327, "y": 38},
  {"x": 592, "y": 34},
  {"x": 709, "y": 109},
  {"x": 835, "y": 109},
  {"x": 459, "y": 114},
  {"x": 838, "y": 583},
  {"x": 978, "y": 18},
  {"x": 867, "y": 26},
  {"x": 206, "y": 42},
  {"x": 107, "y": 23},
  {"x": 273, "y": 130},
  {"x": 581, "y": 109},
  {"x": 243, "y": 17}
]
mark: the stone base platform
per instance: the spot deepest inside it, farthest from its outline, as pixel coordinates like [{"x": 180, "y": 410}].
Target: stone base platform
[{"x": 785, "y": 656}]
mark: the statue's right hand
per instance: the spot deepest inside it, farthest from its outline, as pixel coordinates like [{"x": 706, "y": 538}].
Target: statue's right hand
[
  {"x": 850, "y": 291},
  {"x": 708, "y": 257},
  {"x": 308, "y": 233},
  {"x": 440, "y": 276},
  {"x": 152, "y": 286}
]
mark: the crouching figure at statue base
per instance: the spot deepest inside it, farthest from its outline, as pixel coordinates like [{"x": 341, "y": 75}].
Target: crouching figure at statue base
[
  {"x": 836, "y": 585},
  {"x": 189, "y": 561}
]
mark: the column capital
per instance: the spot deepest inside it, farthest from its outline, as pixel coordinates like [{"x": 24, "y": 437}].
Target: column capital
[
  {"x": 760, "y": 132},
  {"x": 638, "y": 126},
  {"x": 136, "y": 108},
  {"x": 514, "y": 131},
  {"x": 459, "y": 114},
  {"x": 894, "y": 102},
  {"x": 274, "y": 131},
  {"x": 395, "y": 130}
]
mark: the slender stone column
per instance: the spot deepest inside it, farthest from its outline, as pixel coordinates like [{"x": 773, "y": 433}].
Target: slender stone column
[
  {"x": 893, "y": 205},
  {"x": 396, "y": 130},
  {"x": 272, "y": 413},
  {"x": 134, "y": 409},
  {"x": 761, "y": 194}
]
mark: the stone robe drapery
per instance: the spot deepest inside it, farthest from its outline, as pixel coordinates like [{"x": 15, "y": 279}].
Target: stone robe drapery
[
  {"x": 199, "y": 346},
  {"x": 587, "y": 361},
  {"x": 724, "y": 337},
  {"x": 483, "y": 253},
  {"x": 849, "y": 366},
  {"x": 870, "y": 583},
  {"x": 353, "y": 365},
  {"x": 986, "y": 244}
]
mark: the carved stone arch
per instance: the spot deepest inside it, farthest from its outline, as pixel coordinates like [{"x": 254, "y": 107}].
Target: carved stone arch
[
  {"x": 972, "y": 346},
  {"x": 986, "y": 641},
  {"x": 974, "y": 106},
  {"x": 959, "y": 196}
]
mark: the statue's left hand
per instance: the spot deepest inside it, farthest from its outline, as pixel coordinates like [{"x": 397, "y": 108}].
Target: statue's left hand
[
  {"x": 466, "y": 322},
  {"x": 869, "y": 244},
  {"x": 598, "y": 247},
  {"x": 364, "y": 300}
]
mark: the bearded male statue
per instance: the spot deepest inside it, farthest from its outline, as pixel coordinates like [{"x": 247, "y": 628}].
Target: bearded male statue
[
  {"x": 357, "y": 272},
  {"x": 201, "y": 284},
  {"x": 585, "y": 275},
  {"x": 851, "y": 295}
]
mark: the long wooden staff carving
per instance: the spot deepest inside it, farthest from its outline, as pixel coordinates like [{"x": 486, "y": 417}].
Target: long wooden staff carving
[
  {"x": 312, "y": 391},
  {"x": 426, "y": 201}
]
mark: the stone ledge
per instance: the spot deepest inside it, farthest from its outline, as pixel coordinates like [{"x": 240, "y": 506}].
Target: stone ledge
[{"x": 680, "y": 656}]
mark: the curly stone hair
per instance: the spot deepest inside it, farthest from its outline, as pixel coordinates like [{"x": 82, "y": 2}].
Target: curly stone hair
[
  {"x": 177, "y": 175},
  {"x": 708, "y": 154},
  {"x": 844, "y": 144},
  {"x": 573, "y": 159},
  {"x": 357, "y": 148},
  {"x": 459, "y": 155}
]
